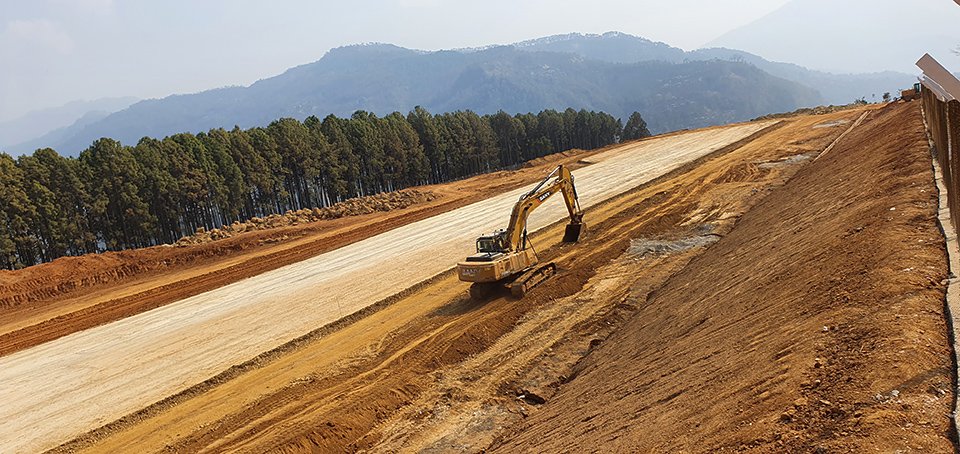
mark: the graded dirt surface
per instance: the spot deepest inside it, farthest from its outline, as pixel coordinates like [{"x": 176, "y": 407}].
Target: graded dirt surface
[
  {"x": 816, "y": 325},
  {"x": 61, "y": 388},
  {"x": 689, "y": 319}
]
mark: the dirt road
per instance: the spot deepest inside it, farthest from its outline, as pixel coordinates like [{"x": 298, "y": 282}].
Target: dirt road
[
  {"x": 437, "y": 372},
  {"x": 62, "y": 388}
]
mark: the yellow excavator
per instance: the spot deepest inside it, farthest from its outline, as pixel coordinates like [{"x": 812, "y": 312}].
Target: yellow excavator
[{"x": 506, "y": 258}]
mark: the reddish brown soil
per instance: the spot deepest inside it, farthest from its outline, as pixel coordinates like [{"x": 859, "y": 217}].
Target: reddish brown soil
[
  {"x": 387, "y": 201},
  {"x": 816, "y": 325},
  {"x": 701, "y": 350}
]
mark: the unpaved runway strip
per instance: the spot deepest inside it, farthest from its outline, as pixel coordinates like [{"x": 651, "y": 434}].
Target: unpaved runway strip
[{"x": 58, "y": 390}]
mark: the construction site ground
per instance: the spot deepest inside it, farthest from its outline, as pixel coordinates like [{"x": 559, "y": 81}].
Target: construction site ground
[{"x": 762, "y": 295}]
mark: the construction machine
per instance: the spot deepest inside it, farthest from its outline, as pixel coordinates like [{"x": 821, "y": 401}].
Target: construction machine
[
  {"x": 506, "y": 258},
  {"x": 911, "y": 93}
]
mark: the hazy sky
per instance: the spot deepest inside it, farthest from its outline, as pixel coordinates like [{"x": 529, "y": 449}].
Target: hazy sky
[
  {"x": 56, "y": 51},
  {"x": 854, "y": 35}
]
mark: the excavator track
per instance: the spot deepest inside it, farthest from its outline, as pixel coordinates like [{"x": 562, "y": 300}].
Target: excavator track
[
  {"x": 481, "y": 291},
  {"x": 530, "y": 279}
]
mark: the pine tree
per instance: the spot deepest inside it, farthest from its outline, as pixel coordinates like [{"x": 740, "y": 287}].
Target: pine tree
[
  {"x": 346, "y": 179},
  {"x": 293, "y": 145},
  {"x": 273, "y": 187},
  {"x": 510, "y": 135},
  {"x": 119, "y": 216},
  {"x": 160, "y": 189},
  {"x": 217, "y": 144},
  {"x": 364, "y": 134},
  {"x": 428, "y": 131},
  {"x": 17, "y": 243},
  {"x": 326, "y": 166},
  {"x": 636, "y": 128}
]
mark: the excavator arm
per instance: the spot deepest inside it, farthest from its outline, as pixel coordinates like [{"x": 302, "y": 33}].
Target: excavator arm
[{"x": 560, "y": 180}]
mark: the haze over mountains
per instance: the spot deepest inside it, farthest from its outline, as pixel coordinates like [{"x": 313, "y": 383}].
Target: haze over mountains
[
  {"x": 623, "y": 48},
  {"x": 31, "y": 126},
  {"x": 614, "y": 72},
  {"x": 852, "y": 35}
]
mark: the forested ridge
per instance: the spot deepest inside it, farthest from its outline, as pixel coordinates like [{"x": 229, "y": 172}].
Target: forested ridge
[{"x": 115, "y": 196}]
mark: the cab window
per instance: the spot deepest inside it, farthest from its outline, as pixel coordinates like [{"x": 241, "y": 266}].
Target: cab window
[{"x": 487, "y": 245}]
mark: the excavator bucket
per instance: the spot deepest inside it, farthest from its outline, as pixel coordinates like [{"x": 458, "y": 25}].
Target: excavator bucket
[{"x": 572, "y": 235}]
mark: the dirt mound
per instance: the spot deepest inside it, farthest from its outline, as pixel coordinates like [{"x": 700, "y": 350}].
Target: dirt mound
[
  {"x": 70, "y": 274},
  {"x": 563, "y": 154},
  {"x": 819, "y": 110},
  {"x": 816, "y": 325},
  {"x": 353, "y": 207}
]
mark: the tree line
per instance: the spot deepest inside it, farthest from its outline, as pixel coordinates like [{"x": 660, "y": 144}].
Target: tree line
[{"x": 115, "y": 197}]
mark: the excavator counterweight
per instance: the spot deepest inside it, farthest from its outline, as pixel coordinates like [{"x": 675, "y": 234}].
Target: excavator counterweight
[{"x": 505, "y": 257}]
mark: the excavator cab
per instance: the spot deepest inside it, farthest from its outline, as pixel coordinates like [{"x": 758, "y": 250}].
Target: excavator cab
[
  {"x": 490, "y": 247},
  {"x": 492, "y": 243}
]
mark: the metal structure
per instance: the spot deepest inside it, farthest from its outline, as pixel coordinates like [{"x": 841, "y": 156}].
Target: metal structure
[{"x": 941, "y": 108}]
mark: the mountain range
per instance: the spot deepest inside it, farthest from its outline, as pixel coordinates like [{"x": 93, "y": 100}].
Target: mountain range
[
  {"x": 624, "y": 48},
  {"x": 614, "y": 72},
  {"x": 19, "y": 132}
]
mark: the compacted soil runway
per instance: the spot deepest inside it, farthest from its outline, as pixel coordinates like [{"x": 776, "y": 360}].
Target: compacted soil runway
[{"x": 58, "y": 390}]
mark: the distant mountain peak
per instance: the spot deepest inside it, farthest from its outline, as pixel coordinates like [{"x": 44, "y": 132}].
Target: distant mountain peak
[
  {"x": 559, "y": 38},
  {"x": 372, "y": 48},
  {"x": 616, "y": 47},
  {"x": 580, "y": 36}
]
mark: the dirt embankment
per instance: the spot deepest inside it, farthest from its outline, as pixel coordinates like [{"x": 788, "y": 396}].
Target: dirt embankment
[
  {"x": 816, "y": 325},
  {"x": 819, "y": 110},
  {"x": 435, "y": 371},
  {"x": 388, "y": 201}
]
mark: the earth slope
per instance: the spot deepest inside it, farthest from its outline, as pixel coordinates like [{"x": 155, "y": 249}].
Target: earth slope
[{"x": 816, "y": 325}]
